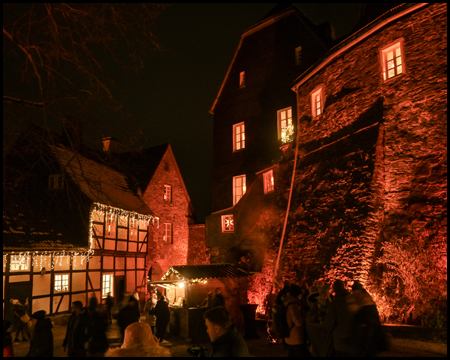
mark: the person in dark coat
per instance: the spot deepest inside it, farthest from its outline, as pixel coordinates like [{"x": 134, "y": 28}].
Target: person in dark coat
[
  {"x": 162, "y": 313},
  {"x": 368, "y": 333},
  {"x": 7, "y": 339},
  {"x": 41, "y": 336},
  {"x": 19, "y": 326},
  {"x": 339, "y": 321},
  {"x": 128, "y": 314},
  {"x": 79, "y": 331},
  {"x": 109, "y": 305},
  {"x": 98, "y": 343},
  {"x": 225, "y": 339},
  {"x": 218, "y": 300}
]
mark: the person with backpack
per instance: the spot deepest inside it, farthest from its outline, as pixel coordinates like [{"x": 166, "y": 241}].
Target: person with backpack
[{"x": 295, "y": 322}]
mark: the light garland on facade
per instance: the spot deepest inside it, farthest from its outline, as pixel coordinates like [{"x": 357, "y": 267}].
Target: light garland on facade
[{"x": 178, "y": 275}]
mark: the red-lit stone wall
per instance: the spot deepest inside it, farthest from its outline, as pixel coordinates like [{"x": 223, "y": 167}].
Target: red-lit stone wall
[
  {"x": 197, "y": 250},
  {"x": 375, "y": 160},
  {"x": 174, "y": 212}
]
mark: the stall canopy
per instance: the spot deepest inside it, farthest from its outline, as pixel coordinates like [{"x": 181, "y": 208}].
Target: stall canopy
[{"x": 191, "y": 274}]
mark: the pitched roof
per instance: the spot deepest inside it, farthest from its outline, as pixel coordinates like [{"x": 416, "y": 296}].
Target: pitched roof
[
  {"x": 99, "y": 182},
  {"x": 192, "y": 272}
]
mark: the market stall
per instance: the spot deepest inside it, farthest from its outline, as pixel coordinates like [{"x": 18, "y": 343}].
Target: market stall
[{"x": 187, "y": 286}]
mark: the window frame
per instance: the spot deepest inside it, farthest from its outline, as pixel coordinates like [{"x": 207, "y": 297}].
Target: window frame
[
  {"x": 241, "y": 142},
  {"x": 231, "y": 226},
  {"x": 318, "y": 90},
  {"x": 62, "y": 283},
  {"x": 20, "y": 264},
  {"x": 244, "y": 188},
  {"x": 111, "y": 286},
  {"x": 271, "y": 188},
  {"x": 298, "y": 55},
  {"x": 280, "y": 128},
  {"x": 170, "y": 240},
  {"x": 397, "y": 44},
  {"x": 241, "y": 79},
  {"x": 166, "y": 186}
]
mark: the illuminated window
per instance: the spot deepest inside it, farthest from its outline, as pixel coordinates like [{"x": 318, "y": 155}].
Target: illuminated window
[
  {"x": 227, "y": 223},
  {"x": 238, "y": 136},
  {"x": 268, "y": 181},
  {"x": 168, "y": 193},
  {"x": 239, "y": 188},
  {"x": 392, "y": 60},
  {"x": 242, "y": 79},
  {"x": 317, "y": 101},
  {"x": 168, "y": 238},
  {"x": 107, "y": 285},
  {"x": 285, "y": 125},
  {"x": 133, "y": 228},
  {"x": 298, "y": 55},
  {"x": 56, "y": 181},
  {"x": 110, "y": 225},
  {"x": 20, "y": 263},
  {"x": 62, "y": 283}
]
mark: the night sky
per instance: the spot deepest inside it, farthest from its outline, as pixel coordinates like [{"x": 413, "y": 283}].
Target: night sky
[{"x": 170, "y": 99}]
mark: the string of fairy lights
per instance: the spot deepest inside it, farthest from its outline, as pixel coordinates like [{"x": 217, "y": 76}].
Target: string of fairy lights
[
  {"x": 20, "y": 261},
  {"x": 180, "y": 277}
]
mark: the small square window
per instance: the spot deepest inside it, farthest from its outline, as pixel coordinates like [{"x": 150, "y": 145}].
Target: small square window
[
  {"x": 269, "y": 184},
  {"x": 317, "y": 101},
  {"x": 239, "y": 188},
  {"x": 167, "y": 237},
  {"x": 62, "y": 283},
  {"x": 285, "y": 125},
  {"x": 19, "y": 263},
  {"x": 168, "y": 193},
  {"x": 227, "y": 223},
  {"x": 392, "y": 61},
  {"x": 242, "y": 79},
  {"x": 238, "y": 136}
]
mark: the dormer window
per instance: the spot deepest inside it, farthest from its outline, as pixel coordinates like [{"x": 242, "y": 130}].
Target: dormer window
[
  {"x": 227, "y": 223},
  {"x": 392, "y": 61},
  {"x": 56, "y": 181},
  {"x": 269, "y": 184},
  {"x": 242, "y": 79},
  {"x": 317, "y": 101}
]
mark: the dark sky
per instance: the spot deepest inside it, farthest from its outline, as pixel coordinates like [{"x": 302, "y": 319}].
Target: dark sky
[{"x": 170, "y": 99}]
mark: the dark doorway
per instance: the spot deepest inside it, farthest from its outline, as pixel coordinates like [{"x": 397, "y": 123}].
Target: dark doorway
[
  {"x": 119, "y": 289},
  {"x": 20, "y": 291}
]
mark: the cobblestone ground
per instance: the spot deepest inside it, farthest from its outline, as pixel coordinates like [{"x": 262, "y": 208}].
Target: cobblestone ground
[{"x": 258, "y": 348}]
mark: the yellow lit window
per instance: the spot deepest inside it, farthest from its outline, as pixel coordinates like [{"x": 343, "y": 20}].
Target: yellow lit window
[
  {"x": 20, "y": 263},
  {"x": 61, "y": 283},
  {"x": 285, "y": 125},
  {"x": 392, "y": 60},
  {"x": 107, "y": 285},
  {"x": 269, "y": 184},
  {"x": 239, "y": 188},
  {"x": 238, "y": 136}
]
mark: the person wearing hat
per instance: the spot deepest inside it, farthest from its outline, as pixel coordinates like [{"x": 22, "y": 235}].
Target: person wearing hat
[
  {"x": 207, "y": 303},
  {"x": 41, "y": 344}
]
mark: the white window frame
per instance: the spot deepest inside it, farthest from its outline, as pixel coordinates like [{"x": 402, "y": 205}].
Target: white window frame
[
  {"x": 168, "y": 233},
  {"x": 239, "y": 188},
  {"x": 269, "y": 182},
  {"x": 107, "y": 279},
  {"x": 395, "y": 66},
  {"x": 285, "y": 131},
  {"x": 56, "y": 181},
  {"x": 63, "y": 279},
  {"x": 228, "y": 223},
  {"x": 239, "y": 136},
  {"x": 317, "y": 101},
  {"x": 241, "y": 79},
  {"x": 168, "y": 193},
  {"x": 19, "y": 262}
]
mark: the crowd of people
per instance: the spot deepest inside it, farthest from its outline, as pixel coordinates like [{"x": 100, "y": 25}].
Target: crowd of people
[{"x": 351, "y": 319}]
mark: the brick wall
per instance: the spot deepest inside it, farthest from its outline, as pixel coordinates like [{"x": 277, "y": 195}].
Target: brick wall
[{"x": 197, "y": 249}]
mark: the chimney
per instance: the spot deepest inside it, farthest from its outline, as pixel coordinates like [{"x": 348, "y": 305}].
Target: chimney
[
  {"x": 110, "y": 145},
  {"x": 72, "y": 130}
]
